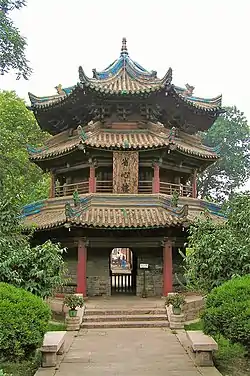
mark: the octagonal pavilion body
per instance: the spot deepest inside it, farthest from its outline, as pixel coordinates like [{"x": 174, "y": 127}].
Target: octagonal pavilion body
[{"x": 123, "y": 157}]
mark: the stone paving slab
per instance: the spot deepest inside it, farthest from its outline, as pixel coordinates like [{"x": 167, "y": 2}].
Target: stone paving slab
[{"x": 120, "y": 352}]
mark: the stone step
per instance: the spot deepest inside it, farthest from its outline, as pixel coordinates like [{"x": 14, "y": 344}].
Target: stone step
[
  {"x": 125, "y": 311},
  {"x": 125, "y": 324},
  {"x": 145, "y": 317}
]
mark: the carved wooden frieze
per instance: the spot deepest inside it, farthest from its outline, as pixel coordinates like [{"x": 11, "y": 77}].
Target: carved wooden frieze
[
  {"x": 125, "y": 171},
  {"x": 123, "y": 111}
]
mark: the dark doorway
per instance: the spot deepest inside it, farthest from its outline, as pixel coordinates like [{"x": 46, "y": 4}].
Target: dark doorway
[{"x": 123, "y": 271}]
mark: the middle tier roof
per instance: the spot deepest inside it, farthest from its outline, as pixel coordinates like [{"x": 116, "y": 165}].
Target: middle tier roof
[{"x": 96, "y": 135}]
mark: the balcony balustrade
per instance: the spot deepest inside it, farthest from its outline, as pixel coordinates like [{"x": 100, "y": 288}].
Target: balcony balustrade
[
  {"x": 169, "y": 189},
  {"x": 145, "y": 186},
  {"x": 68, "y": 189},
  {"x": 106, "y": 186}
]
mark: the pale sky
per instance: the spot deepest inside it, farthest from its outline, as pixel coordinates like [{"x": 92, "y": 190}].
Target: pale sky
[{"x": 205, "y": 42}]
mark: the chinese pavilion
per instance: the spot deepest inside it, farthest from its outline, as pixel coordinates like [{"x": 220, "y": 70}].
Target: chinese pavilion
[{"x": 123, "y": 157}]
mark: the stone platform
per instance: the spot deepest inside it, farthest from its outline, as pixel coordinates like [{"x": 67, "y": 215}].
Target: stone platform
[{"x": 133, "y": 352}]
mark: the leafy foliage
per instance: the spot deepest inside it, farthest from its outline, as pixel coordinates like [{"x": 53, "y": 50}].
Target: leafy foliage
[
  {"x": 232, "y": 133},
  {"x": 40, "y": 269},
  {"x": 12, "y": 44},
  {"x": 2, "y": 373},
  {"x": 227, "y": 311},
  {"x": 18, "y": 127},
  {"x": 177, "y": 300},
  {"x": 73, "y": 301},
  {"x": 218, "y": 252},
  {"x": 23, "y": 320}
]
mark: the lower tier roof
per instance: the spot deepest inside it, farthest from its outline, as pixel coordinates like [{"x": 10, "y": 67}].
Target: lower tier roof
[{"x": 117, "y": 211}]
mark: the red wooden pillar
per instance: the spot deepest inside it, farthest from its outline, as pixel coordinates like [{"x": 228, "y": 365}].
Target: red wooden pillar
[
  {"x": 52, "y": 185},
  {"x": 92, "y": 179},
  {"x": 82, "y": 268},
  {"x": 156, "y": 179},
  {"x": 167, "y": 268},
  {"x": 194, "y": 185}
]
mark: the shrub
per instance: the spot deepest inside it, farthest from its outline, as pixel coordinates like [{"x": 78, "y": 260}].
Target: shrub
[
  {"x": 227, "y": 311},
  {"x": 177, "y": 300},
  {"x": 2, "y": 373},
  {"x": 23, "y": 320},
  {"x": 73, "y": 301}
]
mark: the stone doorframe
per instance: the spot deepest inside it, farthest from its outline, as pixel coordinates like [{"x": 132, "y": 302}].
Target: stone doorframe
[{"x": 165, "y": 243}]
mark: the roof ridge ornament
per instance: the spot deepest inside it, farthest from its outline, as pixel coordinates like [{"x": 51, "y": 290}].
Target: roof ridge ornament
[
  {"x": 124, "y": 50},
  {"x": 189, "y": 90}
]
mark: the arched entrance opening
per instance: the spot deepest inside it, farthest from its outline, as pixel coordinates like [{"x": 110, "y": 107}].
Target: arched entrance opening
[{"x": 123, "y": 271}]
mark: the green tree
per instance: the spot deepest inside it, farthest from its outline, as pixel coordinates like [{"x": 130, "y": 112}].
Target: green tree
[
  {"x": 18, "y": 127},
  {"x": 218, "y": 252},
  {"x": 38, "y": 270},
  {"x": 12, "y": 44},
  {"x": 232, "y": 134}
]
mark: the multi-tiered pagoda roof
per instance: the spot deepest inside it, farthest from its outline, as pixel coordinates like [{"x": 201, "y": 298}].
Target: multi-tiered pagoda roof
[
  {"x": 156, "y": 99},
  {"x": 123, "y": 108}
]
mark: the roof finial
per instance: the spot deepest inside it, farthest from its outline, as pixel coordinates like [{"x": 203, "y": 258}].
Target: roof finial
[{"x": 124, "y": 50}]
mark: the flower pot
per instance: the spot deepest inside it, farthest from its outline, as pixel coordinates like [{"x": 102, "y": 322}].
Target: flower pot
[
  {"x": 176, "y": 310},
  {"x": 72, "y": 313}
]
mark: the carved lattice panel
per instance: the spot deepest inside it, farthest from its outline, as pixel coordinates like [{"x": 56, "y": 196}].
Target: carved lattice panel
[{"x": 125, "y": 171}]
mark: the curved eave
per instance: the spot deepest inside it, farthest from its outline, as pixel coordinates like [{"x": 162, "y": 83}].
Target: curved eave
[
  {"x": 35, "y": 157},
  {"x": 42, "y": 103},
  {"x": 203, "y": 105},
  {"x": 106, "y": 227}
]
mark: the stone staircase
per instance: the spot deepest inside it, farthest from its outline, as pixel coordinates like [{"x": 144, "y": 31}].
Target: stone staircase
[{"x": 125, "y": 318}]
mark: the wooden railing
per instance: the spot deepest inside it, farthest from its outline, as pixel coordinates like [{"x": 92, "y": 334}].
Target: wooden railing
[
  {"x": 105, "y": 186},
  {"x": 68, "y": 189},
  {"x": 145, "y": 186},
  {"x": 169, "y": 189}
]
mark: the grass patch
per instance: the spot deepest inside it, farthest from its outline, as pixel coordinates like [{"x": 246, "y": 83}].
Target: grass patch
[
  {"x": 24, "y": 368},
  {"x": 231, "y": 358},
  {"x": 56, "y": 326},
  {"x": 194, "y": 326}
]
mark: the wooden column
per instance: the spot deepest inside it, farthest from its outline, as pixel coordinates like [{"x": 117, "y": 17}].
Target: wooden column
[
  {"x": 167, "y": 267},
  {"x": 82, "y": 268},
  {"x": 92, "y": 179},
  {"x": 52, "y": 185},
  {"x": 156, "y": 179},
  {"x": 194, "y": 184}
]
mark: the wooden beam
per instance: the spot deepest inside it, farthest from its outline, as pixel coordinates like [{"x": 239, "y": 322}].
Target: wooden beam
[{"x": 81, "y": 166}]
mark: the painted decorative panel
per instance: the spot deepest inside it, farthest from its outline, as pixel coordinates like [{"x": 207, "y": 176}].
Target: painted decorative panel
[{"x": 125, "y": 171}]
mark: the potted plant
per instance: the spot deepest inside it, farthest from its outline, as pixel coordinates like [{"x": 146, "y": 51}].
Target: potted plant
[
  {"x": 73, "y": 301},
  {"x": 176, "y": 300}
]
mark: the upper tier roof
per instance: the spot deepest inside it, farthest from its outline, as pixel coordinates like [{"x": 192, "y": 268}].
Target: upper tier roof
[{"x": 126, "y": 77}]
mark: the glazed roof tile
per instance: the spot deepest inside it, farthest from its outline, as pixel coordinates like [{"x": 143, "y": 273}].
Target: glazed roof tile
[
  {"x": 112, "y": 211},
  {"x": 119, "y": 211},
  {"x": 153, "y": 136},
  {"x": 126, "y": 77}
]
